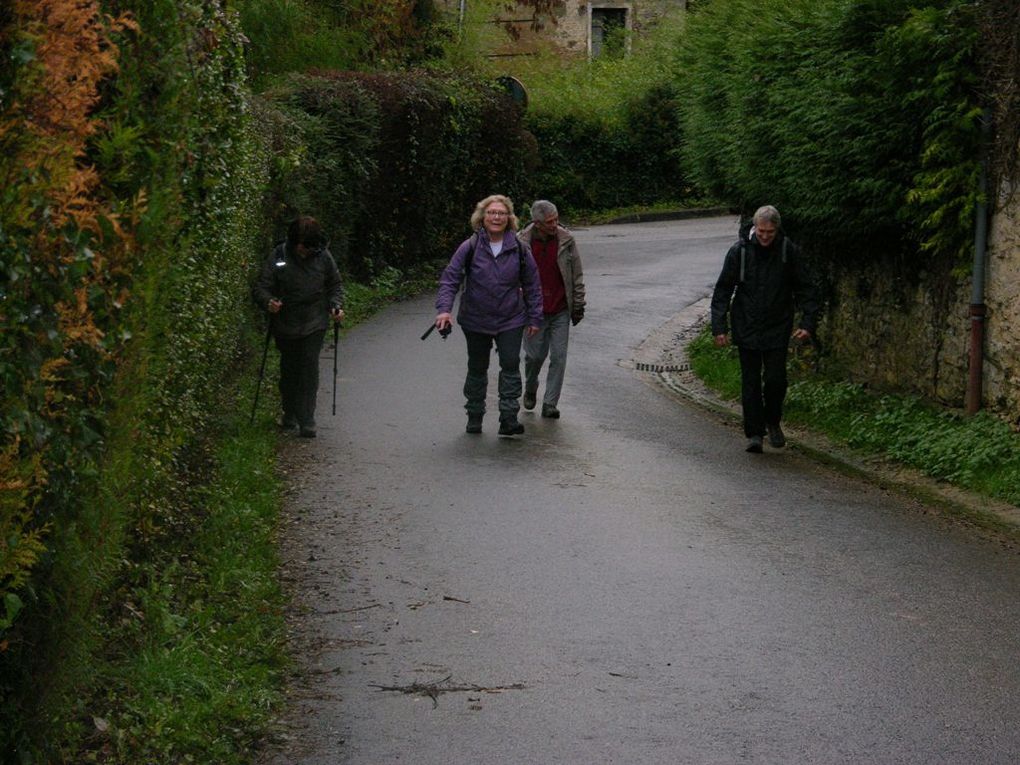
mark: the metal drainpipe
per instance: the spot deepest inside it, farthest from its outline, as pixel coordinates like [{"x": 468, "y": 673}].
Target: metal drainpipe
[{"x": 977, "y": 295}]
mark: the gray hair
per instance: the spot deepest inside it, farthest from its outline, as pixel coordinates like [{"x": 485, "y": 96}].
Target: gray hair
[
  {"x": 542, "y": 210},
  {"x": 767, "y": 214}
]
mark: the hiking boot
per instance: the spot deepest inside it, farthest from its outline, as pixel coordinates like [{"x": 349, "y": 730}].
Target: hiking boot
[
  {"x": 510, "y": 427},
  {"x": 288, "y": 423},
  {"x": 474, "y": 423},
  {"x": 776, "y": 436},
  {"x": 529, "y": 399},
  {"x": 550, "y": 411},
  {"x": 307, "y": 431},
  {"x": 754, "y": 445}
]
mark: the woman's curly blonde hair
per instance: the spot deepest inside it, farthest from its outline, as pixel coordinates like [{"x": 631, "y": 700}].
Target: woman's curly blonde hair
[{"x": 479, "y": 214}]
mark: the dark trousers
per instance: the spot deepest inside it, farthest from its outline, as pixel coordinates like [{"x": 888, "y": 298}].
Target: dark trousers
[
  {"x": 762, "y": 388},
  {"x": 299, "y": 376},
  {"x": 479, "y": 348}
]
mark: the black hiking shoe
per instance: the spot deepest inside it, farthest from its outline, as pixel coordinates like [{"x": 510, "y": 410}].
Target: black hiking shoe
[
  {"x": 529, "y": 399},
  {"x": 550, "y": 411},
  {"x": 754, "y": 445},
  {"x": 307, "y": 431},
  {"x": 474, "y": 423},
  {"x": 776, "y": 436},
  {"x": 510, "y": 427}
]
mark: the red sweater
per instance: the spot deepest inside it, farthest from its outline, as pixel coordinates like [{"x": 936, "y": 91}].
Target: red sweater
[{"x": 554, "y": 293}]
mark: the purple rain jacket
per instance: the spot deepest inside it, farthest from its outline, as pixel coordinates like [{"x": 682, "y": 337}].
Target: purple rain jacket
[{"x": 500, "y": 293}]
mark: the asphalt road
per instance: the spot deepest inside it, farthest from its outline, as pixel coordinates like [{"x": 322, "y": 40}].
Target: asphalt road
[{"x": 626, "y": 584}]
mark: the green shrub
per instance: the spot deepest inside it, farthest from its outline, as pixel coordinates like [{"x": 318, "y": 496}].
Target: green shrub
[
  {"x": 295, "y": 36},
  {"x": 393, "y": 164},
  {"x": 179, "y": 171},
  {"x": 858, "y": 119},
  {"x": 589, "y": 163}
]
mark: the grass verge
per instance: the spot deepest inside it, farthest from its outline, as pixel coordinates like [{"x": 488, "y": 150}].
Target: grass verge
[
  {"x": 390, "y": 285},
  {"x": 196, "y": 650},
  {"x": 980, "y": 453},
  {"x": 599, "y": 217},
  {"x": 194, "y": 663}
]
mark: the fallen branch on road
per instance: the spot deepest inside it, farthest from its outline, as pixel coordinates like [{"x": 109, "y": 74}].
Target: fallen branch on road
[{"x": 433, "y": 690}]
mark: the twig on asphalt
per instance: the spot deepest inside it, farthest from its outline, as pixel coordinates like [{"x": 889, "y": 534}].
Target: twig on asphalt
[
  {"x": 433, "y": 690},
  {"x": 360, "y": 608}
]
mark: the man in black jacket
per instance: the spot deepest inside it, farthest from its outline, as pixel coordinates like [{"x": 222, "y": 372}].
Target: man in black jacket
[
  {"x": 764, "y": 275},
  {"x": 300, "y": 288}
]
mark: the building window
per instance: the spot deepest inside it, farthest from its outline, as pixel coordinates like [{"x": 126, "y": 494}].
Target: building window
[{"x": 608, "y": 32}]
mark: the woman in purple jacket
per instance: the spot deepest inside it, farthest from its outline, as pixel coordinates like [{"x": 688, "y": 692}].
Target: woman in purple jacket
[{"x": 502, "y": 296}]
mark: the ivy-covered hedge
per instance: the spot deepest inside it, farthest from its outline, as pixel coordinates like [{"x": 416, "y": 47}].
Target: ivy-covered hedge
[
  {"x": 859, "y": 119},
  {"x": 393, "y": 164},
  {"x": 131, "y": 209},
  {"x": 590, "y": 162}
]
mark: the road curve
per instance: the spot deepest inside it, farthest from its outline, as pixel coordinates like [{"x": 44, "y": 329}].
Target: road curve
[{"x": 623, "y": 585}]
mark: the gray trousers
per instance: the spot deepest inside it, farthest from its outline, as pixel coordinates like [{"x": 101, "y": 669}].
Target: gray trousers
[
  {"x": 551, "y": 341},
  {"x": 508, "y": 348}
]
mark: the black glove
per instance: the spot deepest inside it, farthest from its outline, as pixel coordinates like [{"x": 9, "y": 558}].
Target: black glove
[{"x": 576, "y": 315}]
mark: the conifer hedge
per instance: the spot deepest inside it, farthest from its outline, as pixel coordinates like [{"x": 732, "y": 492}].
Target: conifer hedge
[{"x": 859, "y": 119}]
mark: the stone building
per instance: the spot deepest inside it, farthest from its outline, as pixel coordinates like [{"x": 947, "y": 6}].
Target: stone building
[{"x": 589, "y": 28}]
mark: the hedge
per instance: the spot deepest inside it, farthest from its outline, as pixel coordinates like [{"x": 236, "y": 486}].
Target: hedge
[
  {"x": 861, "y": 118},
  {"x": 129, "y": 217},
  {"x": 588, "y": 162},
  {"x": 393, "y": 164}
]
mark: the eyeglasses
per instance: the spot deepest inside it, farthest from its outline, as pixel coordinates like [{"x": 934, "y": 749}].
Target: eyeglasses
[{"x": 496, "y": 214}]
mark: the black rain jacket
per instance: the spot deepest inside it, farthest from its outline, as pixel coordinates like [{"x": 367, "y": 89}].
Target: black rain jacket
[
  {"x": 759, "y": 296},
  {"x": 308, "y": 288}
]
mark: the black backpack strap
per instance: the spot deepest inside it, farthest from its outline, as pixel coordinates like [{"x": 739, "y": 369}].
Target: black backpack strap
[
  {"x": 469, "y": 258},
  {"x": 520, "y": 258}
]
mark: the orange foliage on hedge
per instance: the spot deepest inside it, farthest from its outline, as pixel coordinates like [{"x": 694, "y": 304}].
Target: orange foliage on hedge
[{"x": 52, "y": 198}]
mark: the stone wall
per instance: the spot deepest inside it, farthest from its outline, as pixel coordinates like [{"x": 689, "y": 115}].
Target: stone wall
[
  {"x": 1002, "y": 297},
  {"x": 901, "y": 330}
]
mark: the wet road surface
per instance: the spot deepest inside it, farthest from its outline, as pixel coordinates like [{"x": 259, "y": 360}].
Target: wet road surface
[{"x": 625, "y": 584}]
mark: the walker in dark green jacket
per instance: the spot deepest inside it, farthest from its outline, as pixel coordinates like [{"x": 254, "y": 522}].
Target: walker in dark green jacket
[{"x": 299, "y": 286}]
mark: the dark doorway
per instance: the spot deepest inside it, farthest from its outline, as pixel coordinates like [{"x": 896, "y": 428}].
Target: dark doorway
[{"x": 608, "y": 32}]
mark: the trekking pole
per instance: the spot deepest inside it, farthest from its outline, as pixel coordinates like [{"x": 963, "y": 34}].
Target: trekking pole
[
  {"x": 336, "y": 342},
  {"x": 262, "y": 370}
]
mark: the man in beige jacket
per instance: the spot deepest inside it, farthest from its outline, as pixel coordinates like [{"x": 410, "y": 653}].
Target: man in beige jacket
[{"x": 559, "y": 267}]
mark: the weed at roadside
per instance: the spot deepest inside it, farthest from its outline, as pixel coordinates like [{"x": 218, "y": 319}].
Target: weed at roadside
[{"x": 979, "y": 453}]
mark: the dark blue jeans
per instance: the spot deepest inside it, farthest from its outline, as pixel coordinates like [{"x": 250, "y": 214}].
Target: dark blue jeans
[
  {"x": 479, "y": 348},
  {"x": 299, "y": 376},
  {"x": 762, "y": 388}
]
